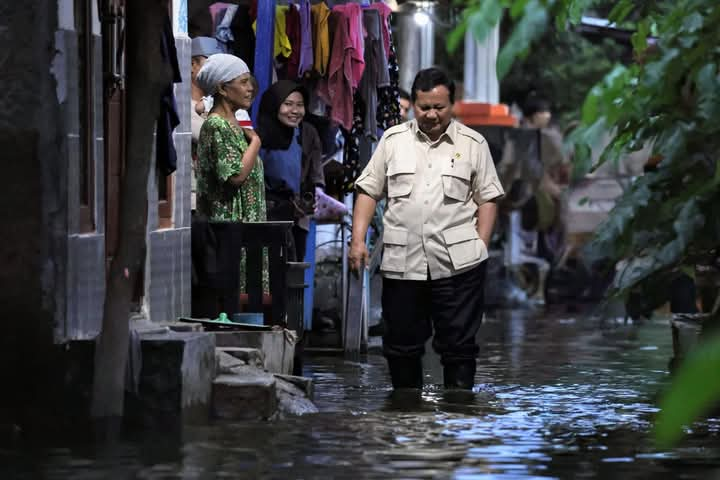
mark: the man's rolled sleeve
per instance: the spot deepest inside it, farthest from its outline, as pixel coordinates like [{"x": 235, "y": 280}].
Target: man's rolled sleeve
[
  {"x": 372, "y": 180},
  {"x": 487, "y": 185}
]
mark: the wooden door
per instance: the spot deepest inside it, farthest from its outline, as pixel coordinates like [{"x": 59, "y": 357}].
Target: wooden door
[{"x": 114, "y": 96}]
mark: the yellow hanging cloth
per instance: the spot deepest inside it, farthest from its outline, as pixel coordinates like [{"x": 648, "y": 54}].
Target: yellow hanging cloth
[
  {"x": 321, "y": 40},
  {"x": 282, "y": 47}
]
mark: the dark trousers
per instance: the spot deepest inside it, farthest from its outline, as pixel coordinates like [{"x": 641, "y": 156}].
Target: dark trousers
[{"x": 451, "y": 307}]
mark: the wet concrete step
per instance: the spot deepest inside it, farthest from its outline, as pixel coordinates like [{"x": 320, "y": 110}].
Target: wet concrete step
[
  {"x": 251, "y": 356},
  {"x": 277, "y": 346},
  {"x": 248, "y": 394}
]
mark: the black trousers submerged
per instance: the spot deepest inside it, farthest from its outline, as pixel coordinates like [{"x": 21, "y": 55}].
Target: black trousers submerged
[{"x": 451, "y": 308}]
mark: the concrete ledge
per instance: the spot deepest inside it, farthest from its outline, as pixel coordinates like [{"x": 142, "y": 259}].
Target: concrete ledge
[
  {"x": 174, "y": 383},
  {"x": 176, "y": 377}
]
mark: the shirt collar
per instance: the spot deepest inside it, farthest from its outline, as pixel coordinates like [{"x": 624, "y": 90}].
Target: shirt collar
[{"x": 450, "y": 133}]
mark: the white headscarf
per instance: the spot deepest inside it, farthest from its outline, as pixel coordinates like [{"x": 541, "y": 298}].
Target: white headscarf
[{"x": 217, "y": 69}]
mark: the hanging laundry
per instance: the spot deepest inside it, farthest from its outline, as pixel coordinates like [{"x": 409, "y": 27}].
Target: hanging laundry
[
  {"x": 243, "y": 45},
  {"x": 294, "y": 33},
  {"x": 253, "y": 9},
  {"x": 351, "y": 157},
  {"x": 388, "y": 113},
  {"x": 321, "y": 37},
  {"x": 168, "y": 118},
  {"x": 336, "y": 89},
  {"x": 306, "y": 46},
  {"x": 281, "y": 46},
  {"x": 346, "y": 64},
  {"x": 217, "y": 12},
  {"x": 353, "y": 13},
  {"x": 376, "y": 71},
  {"x": 385, "y": 13},
  {"x": 223, "y": 33}
]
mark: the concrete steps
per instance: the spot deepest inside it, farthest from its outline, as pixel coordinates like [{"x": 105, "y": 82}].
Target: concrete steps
[{"x": 244, "y": 390}]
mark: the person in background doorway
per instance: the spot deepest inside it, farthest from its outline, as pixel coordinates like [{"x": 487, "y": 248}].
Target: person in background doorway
[
  {"x": 404, "y": 100},
  {"x": 201, "y": 48},
  {"x": 230, "y": 172},
  {"x": 441, "y": 188},
  {"x": 292, "y": 154}
]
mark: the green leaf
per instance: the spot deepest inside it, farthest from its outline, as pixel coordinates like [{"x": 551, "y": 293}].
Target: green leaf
[
  {"x": 585, "y": 139},
  {"x": 695, "y": 388},
  {"x": 479, "y": 19},
  {"x": 661, "y": 71},
  {"x": 482, "y": 21},
  {"x": 708, "y": 87},
  {"x": 517, "y": 8},
  {"x": 528, "y": 29},
  {"x": 577, "y": 8},
  {"x": 456, "y": 36},
  {"x": 672, "y": 143},
  {"x": 639, "y": 38},
  {"x": 621, "y": 11},
  {"x": 601, "y": 97},
  {"x": 693, "y": 22}
]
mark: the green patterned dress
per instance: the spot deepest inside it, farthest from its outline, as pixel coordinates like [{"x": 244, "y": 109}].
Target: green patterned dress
[{"x": 220, "y": 150}]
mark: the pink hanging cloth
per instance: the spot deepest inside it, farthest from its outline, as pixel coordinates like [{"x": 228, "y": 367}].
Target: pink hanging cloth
[
  {"x": 385, "y": 12},
  {"x": 356, "y": 31},
  {"x": 346, "y": 64}
]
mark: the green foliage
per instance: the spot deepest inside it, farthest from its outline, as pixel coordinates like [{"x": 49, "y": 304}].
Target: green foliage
[
  {"x": 528, "y": 28},
  {"x": 694, "y": 391},
  {"x": 670, "y": 101},
  {"x": 564, "y": 69}
]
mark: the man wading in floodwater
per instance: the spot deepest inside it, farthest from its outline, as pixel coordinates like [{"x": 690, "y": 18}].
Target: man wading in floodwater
[{"x": 441, "y": 188}]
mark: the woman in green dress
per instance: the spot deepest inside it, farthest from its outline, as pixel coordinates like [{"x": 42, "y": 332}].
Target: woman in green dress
[{"x": 230, "y": 183}]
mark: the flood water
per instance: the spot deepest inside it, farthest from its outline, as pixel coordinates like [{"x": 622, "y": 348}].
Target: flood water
[{"x": 557, "y": 397}]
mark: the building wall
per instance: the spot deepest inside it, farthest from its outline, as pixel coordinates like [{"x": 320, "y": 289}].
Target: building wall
[
  {"x": 32, "y": 203},
  {"x": 85, "y": 275},
  {"x": 168, "y": 269},
  {"x": 167, "y": 272}
]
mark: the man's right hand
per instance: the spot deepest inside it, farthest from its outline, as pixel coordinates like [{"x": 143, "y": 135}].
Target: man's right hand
[{"x": 358, "y": 256}]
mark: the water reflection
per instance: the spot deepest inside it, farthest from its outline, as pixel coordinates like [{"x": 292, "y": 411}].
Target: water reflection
[{"x": 555, "y": 398}]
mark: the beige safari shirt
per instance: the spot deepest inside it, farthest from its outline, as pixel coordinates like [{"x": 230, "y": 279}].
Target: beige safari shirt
[{"x": 433, "y": 191}]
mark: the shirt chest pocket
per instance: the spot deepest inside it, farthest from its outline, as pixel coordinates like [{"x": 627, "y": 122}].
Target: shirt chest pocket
[
  {"x": 401, "y": 176},
  {"x": 456, "y": 176}
]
